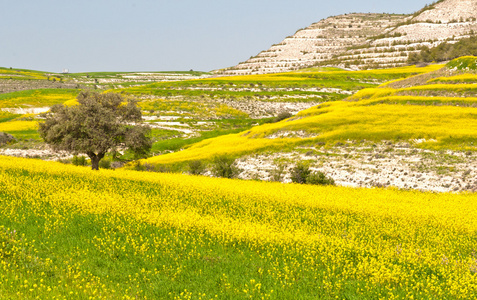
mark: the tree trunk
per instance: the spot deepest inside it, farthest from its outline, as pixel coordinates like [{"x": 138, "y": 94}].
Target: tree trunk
[{"x": 95, "y": 158}]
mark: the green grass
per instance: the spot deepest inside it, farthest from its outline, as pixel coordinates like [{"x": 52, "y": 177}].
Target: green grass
[
  {"x": 22, "y": 74},
  {"x": 464, "y": 63},
  {"x": 222, "y": 127},
  {"x": 6, "y": 116},
  {"x": 300, "y": 85},
  {"x": 37, "y": 98},
  {"x": 26, "y": 135}
]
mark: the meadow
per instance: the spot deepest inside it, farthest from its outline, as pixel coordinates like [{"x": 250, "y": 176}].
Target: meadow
[
  {"x": 67, "y": 232},
  {"x": 413, "y": 109},
  {"x": 37, "y": 98}
]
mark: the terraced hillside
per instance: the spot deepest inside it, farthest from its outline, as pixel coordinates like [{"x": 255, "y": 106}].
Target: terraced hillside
[
  {"x": 362, "y": 41},
  {"x": 188, "y": 111},
  {"x": 418, "y": 132},
  {"x": 317, "y": 43}
]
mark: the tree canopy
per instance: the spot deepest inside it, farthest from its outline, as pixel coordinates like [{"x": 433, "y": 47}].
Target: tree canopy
[
  {"x": 445, "y": 51},
  {"x": 99, "y": 123}
]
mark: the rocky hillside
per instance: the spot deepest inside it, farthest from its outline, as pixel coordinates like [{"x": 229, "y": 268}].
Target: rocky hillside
[{"x": 362, "y": 41}]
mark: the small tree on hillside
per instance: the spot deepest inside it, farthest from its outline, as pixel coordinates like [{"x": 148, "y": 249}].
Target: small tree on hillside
[{"x": 98, "y": 124}]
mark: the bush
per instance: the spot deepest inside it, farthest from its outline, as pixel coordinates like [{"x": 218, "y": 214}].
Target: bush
[
  {"x": 196, "y": 167},
  {"x": 277, "y": 173},
  {"x": 299, "y": 173},
  {"x": 146, "y": 167},
  {"x": 282, "y": 116},
  {"x": 79, "y": 160},
  {"x": 319, "y": 178},
  {"x": 445, "y": 51},
  {"x": 6, "y": 138},
  {"x": 224, "y": 166},
  {"x": 105, "y": 164}
]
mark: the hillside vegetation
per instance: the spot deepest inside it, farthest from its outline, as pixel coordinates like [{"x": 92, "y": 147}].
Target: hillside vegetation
[
  {"x": 188, "y": 111},
  {"x": 68, "y": 233},
  {"x": 445, "y": 51},
  {"x": 436, "y": 107},
  {"x": 414, "y": 132},
  {"x": 409, "y": 127}
]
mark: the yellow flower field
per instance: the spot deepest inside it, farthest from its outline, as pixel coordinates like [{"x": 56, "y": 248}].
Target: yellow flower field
[
  {"x": 18, "y": 126},
  {"x": 377, "y": 119},
  {"x": 36, "y": 98},
  {"x": 69, "y": 232}
]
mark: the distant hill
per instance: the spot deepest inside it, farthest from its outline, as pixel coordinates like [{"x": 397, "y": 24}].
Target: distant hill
[{"x": 364, "y": 41}]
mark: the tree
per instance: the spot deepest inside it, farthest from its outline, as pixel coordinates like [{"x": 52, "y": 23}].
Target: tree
[{"x": 98, "y": 124}]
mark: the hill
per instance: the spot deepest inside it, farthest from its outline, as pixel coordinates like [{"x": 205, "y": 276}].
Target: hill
[
  {"x": 409, "y": 127},
  {"x": 184, "y": 112},
  {"x": 363, "y": 41},
  {"x": 417, "y": 132},
  {"x": 15, "y": 80}
]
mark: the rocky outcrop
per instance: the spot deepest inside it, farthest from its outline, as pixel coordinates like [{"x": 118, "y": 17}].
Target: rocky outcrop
[
  {"x": 6, "y": 138},
  {"x": 360, "y": 41}
]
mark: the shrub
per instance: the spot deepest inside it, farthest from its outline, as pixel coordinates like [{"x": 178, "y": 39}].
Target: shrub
[
  {"x": 79, "y": 160},
  {"x": 277, "y": 173},
  {"x": 282, "y": 116},
  {"x": 147, "y": 167},
  {"x": 105, "y": 164},
  {"x": 319, "y": 178},
  {"x": 445, "y": 51},
  {"x": 196, "y": 167},
  {"x": 299, "y": 173},
  {"x": 6, "y": 138},
  {"x": 224, "y": 166}
]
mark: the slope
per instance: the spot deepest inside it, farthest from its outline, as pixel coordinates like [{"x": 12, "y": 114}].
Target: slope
[
  {"x": 362, "y": 41},
  {"x": 404, "y": 128}
]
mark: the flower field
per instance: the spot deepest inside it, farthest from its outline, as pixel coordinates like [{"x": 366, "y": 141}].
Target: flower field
[
  {"x": 37, "y": 98},
  {"x": 66, "y": 232},
  {"x": 22, "y": 74},
  {"x": 385, "y": 118},
  {"x": 440, "y": 116}
]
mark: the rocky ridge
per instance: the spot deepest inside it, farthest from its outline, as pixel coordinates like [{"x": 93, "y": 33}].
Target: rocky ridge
[{"x": 361, "y": 41}]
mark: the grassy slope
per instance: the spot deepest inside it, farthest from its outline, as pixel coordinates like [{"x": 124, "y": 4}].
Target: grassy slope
[
  {"x": 37, "y": 98},
  {"x": 66, "y": 232},
  {"x": 273, "y": 85},
  {"x": 199, "y": 100},
  {"x": 440, "y": 115},
  {"x": 21, "y": 74}
]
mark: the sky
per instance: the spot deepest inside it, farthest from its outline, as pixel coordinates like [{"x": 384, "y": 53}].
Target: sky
[{"x": 159, "y": 35}]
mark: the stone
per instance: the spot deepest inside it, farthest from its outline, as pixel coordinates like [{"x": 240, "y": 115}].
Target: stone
[{"x": 6, "y": 138}]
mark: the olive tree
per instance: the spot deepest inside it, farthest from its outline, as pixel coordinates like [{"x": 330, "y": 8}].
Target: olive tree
[{"x": 99, "y": 123}]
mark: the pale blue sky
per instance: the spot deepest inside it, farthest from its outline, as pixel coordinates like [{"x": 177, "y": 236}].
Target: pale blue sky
[{"x": 160, "y": 35}]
